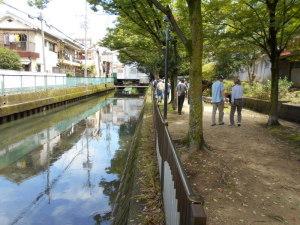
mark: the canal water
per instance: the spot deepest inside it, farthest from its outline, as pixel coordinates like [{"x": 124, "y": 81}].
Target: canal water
[{"x": 63, "y": 167}]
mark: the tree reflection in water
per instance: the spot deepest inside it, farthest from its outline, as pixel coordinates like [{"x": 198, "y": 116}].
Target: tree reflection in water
[{"x": 118, "y": 162}]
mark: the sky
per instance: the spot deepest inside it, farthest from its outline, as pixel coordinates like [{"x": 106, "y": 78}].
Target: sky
[{"x": 68, "y": 16}]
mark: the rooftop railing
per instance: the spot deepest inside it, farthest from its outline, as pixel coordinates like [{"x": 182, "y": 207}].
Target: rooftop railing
[{"x": 13, "y": 84}]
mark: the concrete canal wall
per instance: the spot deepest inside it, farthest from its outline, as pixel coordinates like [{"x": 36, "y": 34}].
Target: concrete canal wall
[
  {"x": 286, "y": 111},
  {"x": 17, "y": 106}
]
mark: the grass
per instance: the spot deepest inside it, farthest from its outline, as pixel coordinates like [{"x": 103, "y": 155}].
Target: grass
[
  {"x": 287, "y": 134},
  {"x": 146, "y": 204}
]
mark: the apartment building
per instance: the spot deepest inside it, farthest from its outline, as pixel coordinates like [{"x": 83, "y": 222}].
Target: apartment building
[{"x": 23, "y": 35}]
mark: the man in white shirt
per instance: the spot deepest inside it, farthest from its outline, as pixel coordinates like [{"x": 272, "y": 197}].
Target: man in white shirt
[
  {"x": 236, "y": 102},
  {"x": 217, "y": 100},
  {"x": 160, "y": 90}
]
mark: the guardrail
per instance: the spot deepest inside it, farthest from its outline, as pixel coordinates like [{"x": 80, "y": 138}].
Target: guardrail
[
  {"x": 13, "y": 84},
  {"x": 182, "y": 206}
]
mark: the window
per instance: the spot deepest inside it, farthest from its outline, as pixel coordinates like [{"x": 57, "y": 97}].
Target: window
[{"x": 52, "y": 47}]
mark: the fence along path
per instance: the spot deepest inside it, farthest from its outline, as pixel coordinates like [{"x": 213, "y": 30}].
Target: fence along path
[{"x": 182, "y": 206}]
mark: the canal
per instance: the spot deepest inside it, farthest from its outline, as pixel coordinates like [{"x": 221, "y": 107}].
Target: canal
[{"x": 64, "y": 166}]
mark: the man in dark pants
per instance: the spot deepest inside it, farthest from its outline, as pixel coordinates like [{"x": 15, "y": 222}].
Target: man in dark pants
[{"x": 181, "y": 91}]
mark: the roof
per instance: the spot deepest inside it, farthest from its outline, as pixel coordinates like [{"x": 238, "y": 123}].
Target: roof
[{"x": 34, "y": 24}]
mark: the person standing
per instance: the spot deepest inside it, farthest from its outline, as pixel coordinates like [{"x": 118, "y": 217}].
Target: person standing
[
  {"x": 160, "y": 90},
  {"x": 181, "y": 91},
  {"x": 218, "y": 100},
  {"x": 236, "y": 102}
]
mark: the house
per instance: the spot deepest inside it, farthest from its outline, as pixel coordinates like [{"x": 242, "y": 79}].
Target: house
[
  {"x": 289, "y": 65},
  {"x": 23, "y": 35}
]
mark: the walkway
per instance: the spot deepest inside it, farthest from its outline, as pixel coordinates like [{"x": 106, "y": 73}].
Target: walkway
[{"x": 252, "y": 175}]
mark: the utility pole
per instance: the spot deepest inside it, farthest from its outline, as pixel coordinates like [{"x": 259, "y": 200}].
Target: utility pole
[
  {"x": 85, "y": 40},
  {"x": 43, "y": 41},
  {"x": 98, "y": 61}
]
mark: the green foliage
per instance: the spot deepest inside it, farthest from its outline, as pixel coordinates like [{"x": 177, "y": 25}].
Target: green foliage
[
  {"x": 69, "y": 74},
  {"x": 138, "y": 34},
  {"x": 9, "y": 60},
  {"x": 91, "y": 70},
  {"x": 228, "y": 84},
  {"x": 209, "y": 71},
  {"x": 40, "y": 4},
  {"x": 263, "y": 90}
]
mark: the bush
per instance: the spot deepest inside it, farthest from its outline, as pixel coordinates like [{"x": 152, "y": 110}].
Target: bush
[
  {"x": 263, "y": 90},
  {"x": 9, "y": 60}
]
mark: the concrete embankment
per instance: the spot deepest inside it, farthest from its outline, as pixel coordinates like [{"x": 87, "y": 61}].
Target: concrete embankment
[
  {"x": 16, "y": 106},
  {"x": 286, "y": 111},
  {"x": 139, "y": 199}
]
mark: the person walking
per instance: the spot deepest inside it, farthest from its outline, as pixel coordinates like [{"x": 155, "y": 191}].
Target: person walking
[
  {"x": 218, "y": 100},
  {"x": 236, "y": 102},
  {"x": 181, "y": 91},
  {"x": 168, "y": 90},
  {"x": 160, "y": 90}
]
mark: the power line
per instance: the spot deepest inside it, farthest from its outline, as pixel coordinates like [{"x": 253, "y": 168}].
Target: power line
[
  {"x": 15, "y": 8},
  {"x": 49, "y": 25}
]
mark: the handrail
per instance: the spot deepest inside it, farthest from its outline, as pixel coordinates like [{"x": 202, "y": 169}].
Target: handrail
[
  {"x": 190, "y": 194},
  {"x": 190, "y": 205}
]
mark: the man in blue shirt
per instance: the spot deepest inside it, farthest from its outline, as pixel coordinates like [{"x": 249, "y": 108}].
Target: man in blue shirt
[{"x": 218, "y": 100}]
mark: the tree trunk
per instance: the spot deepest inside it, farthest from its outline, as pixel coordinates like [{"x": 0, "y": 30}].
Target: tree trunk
[
  {"x": 274, "y": 58},
  {"x": 273, "y": 116},
  {"x": 173, "y": 89},
  {"x": 195, "y": 76},
  {"x": 249, "y": 75}
]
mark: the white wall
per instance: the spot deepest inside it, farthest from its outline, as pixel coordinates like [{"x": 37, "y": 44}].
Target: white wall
[
  {"x": 262, "y": 70},
  {"x": 4, "y": 24},
  {"x": 51, "y": 57}
]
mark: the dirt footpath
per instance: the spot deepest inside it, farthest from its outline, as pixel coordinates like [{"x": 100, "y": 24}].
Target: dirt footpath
[{"x": 251, "y": 176}]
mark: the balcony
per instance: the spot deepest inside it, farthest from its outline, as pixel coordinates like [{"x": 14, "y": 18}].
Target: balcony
[
  {"x": 20, "y": 46},
  {"x": 23, "y": 48}
]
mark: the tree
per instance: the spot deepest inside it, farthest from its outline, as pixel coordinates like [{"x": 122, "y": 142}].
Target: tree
[
  {"x": 146, "y": 14},
  {"x": 268, "y": 24},
  {"x": 9, "y": 59},
  {"x": 40, "y": 4},
  {"x": 193, "y": 43},
  {"x": 133, "y": 46}
]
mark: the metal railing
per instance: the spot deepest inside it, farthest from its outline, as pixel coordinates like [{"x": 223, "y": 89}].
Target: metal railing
[
  {"x": 20, "y": 46},
  {"x": 13, "y": 84},
  {"x": 181, "y": 205}
]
